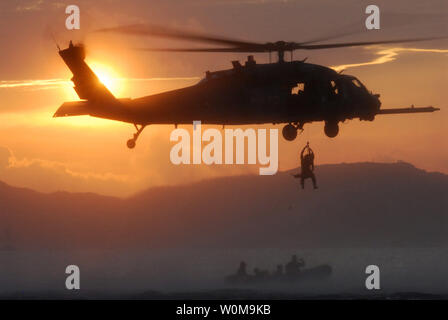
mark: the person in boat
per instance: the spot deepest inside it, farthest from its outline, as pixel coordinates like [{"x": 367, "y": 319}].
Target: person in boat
[
  {"x": 242, "y": 272},
  {"x": 292, "y": 268},
  {"x": 279, "y": 272}
]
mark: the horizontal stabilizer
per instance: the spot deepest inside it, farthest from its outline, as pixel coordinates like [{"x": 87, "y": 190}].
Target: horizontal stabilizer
[
  {"x": 407, "y": 110},
  {"x": 73, "y": 108}
]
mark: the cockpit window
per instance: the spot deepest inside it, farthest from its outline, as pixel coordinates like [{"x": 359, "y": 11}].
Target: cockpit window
[
  {"x": 334, "y": 87},
  {"x": 357, "y": 83},
  {"x": 298, "y": 89}
]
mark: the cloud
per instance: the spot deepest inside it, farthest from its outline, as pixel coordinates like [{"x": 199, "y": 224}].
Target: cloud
[
  {"x": 59, "y": 83},
  {"x": 386, "y": 55},
  {"x": 32, "y": 83},
  {"x": 30, "y": 6},
  {"x": 49, "y": 176},
  {"x": 5, "y": 154},
  {"x": 15, "y": 163}
]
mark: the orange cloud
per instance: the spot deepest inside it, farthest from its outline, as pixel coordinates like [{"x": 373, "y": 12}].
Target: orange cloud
[
  {"x": 14, "y": 162},
  {"x": 62, "y": 82},
  {"x": 32, "y": 83},
  {"x": 386, "y": 55}
]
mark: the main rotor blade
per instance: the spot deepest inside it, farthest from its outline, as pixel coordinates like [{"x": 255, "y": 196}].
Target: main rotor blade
[
  {"x": 355, "y": 27},
  {"x": 339, "y": 34},
  {"x": 239, "y": 45},
  {"x": 241, "y": 50},
  {"x": 158, "y": 31},
  {"x": 287, "y": 46},
  {"x": 296, "y": 46}
]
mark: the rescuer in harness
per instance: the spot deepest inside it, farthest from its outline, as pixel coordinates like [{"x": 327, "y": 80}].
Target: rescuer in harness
[{"x": 307, "y": 166}]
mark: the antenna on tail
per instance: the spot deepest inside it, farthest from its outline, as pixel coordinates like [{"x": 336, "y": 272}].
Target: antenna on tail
[{"x": 55, "y": 42}]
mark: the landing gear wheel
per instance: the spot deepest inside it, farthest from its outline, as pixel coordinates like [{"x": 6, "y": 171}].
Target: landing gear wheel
[
  {"x": 131, "y": 143},
  {"x": 289, "y": 132},
  {"x": 331, "y": 129}
]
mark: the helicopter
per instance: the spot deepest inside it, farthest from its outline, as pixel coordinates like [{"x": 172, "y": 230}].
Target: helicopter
[{"x": 292, "y": 93}]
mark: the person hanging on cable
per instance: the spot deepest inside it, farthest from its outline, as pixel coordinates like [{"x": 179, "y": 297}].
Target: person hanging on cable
[{"x": 307, "y": 166}]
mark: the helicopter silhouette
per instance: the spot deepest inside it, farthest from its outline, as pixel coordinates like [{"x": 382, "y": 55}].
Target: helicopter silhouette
[{"x": 284, "y": 92}]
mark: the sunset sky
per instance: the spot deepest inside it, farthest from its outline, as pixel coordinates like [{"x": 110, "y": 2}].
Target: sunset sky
[{"x": 84, "y": 154}]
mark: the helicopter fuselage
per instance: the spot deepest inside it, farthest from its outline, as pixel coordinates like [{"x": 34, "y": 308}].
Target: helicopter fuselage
[
  {"x": 294, "y": 93},
  {"x": 288, "y": 92}
]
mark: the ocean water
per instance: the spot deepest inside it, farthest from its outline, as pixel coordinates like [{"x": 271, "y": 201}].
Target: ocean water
[{"x": 416, "y": 270}]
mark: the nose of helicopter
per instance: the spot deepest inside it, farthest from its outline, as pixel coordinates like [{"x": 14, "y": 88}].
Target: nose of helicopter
[
  {"x": 376, "y": 101},
  {"x": 372, "y": 107}
]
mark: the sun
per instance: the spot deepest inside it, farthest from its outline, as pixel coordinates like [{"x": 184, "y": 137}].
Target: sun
[{"x": 109, "y": 77}]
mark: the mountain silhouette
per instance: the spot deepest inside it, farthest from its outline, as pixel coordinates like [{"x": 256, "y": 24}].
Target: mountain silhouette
[{"x": 356, "y": 205}]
